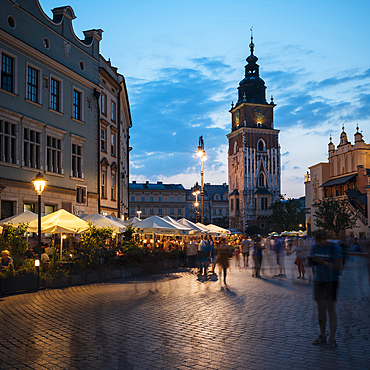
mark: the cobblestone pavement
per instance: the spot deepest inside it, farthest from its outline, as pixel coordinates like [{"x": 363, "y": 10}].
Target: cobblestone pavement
[{"x": 177, "y": 321}]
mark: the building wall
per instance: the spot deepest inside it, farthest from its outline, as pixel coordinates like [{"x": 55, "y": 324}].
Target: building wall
[
  {"x": 343, "y": 160},
  {"x": 54, "y": 53},
  {"x": 157, "y": 200}
]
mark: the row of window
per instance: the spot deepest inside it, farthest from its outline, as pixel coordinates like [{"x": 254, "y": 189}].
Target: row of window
[
  {"x": 104, "y": 144},
  {"x": 159, "y": 199},
  {"x": 113, "y": 110},
  {"x": 234, "y": 203},
  {"x": 34, "y": 83},
  {"x": 104, "y": 184},
  {"x": 32, "y": 150},
  {"x": 143, "y": 211}
]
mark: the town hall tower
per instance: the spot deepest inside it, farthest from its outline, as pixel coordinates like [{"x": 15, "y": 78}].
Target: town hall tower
[{"x": 254, "y": 153}]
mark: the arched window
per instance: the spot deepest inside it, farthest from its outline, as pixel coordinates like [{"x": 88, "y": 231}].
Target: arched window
[
  {"x": 261, "y": 147},
  {"x": 235, "y": 147},
  {"x": 261, "y": 180}
]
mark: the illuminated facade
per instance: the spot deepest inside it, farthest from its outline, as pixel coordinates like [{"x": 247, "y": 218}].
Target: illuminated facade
[
  {"x": 346, "y": 175},
  {"x": 254, "y": 153}
]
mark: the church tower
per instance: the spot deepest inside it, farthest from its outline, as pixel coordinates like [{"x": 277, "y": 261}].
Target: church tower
[{"x": 254, "y": 153}]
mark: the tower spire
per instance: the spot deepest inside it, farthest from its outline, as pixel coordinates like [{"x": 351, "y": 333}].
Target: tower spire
[{"x": 251, "y": 45}]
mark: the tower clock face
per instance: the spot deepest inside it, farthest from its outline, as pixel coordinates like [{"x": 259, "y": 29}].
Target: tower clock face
[
  {"x": 237, "y": 117},
  {"x": 259, "y": 113}
]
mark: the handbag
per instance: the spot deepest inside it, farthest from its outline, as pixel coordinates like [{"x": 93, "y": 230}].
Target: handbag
[{"x": 296, "y": 261}]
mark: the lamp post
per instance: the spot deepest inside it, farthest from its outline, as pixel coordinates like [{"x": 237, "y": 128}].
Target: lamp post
[
  {"x": 196, "y": 204},
  {"x": 138, "y": 214},
  {"x": 202, "y": 155},
  {"x": 39, "y": 185}
]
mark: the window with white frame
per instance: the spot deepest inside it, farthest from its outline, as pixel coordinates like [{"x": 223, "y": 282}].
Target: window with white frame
[
  {"x": 33, "y": 84},
  {"x": 81, "y": 196},
  {"x": 7, "y": 73},
  {"x": 113, "y": 186},
  {"x": 53, "y": 154},
  {"x": 103, "y": 139},
  {"x": 55, "y": 94},
  {"x": 104, "y": 104},
  {"x": 103, "y": 183},
  {"x": 113, "y": 111},
  {"x": 31, "y": 148},
  {"x": 8, "y": 142},
  {"x": 113, "y": 143},
  {"x": 77, "y": 105},
  {"x": 77, "y": 161}
]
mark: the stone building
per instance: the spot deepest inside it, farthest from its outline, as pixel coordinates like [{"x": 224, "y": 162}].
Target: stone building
[
  {"x": 148, "y": 199},
  {"x": 115, "y": 122},
  {"x": 49, "y": 116},
  {"x": 254, "y": 153},
  {"x": 216, "y": 204},
  {"x": 346, "y": 175}
]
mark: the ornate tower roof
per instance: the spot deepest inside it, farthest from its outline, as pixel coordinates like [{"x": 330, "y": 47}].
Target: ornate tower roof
[{"x": 252, "y": 88}]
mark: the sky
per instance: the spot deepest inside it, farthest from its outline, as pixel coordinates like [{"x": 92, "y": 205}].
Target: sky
[{"x": 183, "y": 61}]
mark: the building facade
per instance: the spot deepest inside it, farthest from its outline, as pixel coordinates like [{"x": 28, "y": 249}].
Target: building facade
[
  {"x": 254, "y": 153},
  {"x": 149, "y": 199},
  {"x": 49, "y": 111},
  {"x": 115, "y": 122},
  {"x": 346, "y": 175},
  {"x": 216, "y": 204}
]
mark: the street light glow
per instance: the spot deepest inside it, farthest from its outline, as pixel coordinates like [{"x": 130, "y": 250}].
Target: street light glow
[{"x": 39, "y": 183}]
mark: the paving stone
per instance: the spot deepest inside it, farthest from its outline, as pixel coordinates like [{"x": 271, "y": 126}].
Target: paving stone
[{"x": 175, "y": 321}]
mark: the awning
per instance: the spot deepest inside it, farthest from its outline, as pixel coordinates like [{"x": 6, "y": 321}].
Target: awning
[
  {"x": 338, "y": 181},
  {"x": 356, "y": 194},
  {"x": 235, "y": 192},
  {"x": 262, "y": 191}
]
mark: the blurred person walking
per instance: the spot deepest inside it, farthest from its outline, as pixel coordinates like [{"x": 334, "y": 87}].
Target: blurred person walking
[
  {"x": 257, "y": 256},
  {"x": 300, "y": 258},
  {"x": 246, "y": 244},
  {"x": 223, "y": 255},
  {"x": 326, "y": 258}
]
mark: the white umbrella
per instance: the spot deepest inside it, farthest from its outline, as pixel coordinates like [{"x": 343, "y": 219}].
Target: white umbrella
[
  {"x": 25, "y": 217},
  {"x": 101, "y": 221},
  {"x": 217, "y": 229},
  {"x": 203, "y": 227},
  {"x": 59, "y": 222},
  {"x": 156, "y": 225},
  {"x": 196, "y": 229},
  {"x": 184, "y": 229}
]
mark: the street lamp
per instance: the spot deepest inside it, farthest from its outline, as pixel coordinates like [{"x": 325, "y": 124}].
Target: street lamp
[
  {"x": 138, "y": 214},
  {"x": 39, "y": 184},
  {"x": 196, "y": 204},
  {"x": 202, "y": 155}
]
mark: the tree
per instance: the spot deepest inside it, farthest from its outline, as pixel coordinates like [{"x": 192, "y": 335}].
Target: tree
[
  {"x": 287, "y": 214},
  {"x": 334, "y": 215}
]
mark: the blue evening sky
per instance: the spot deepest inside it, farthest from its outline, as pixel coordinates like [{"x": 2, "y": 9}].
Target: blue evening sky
[{"x": 183, "y": 61}]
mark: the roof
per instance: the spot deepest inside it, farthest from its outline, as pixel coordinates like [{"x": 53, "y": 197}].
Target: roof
[
  {"x": 356, "y": 194},
  {"x": 338, "y": 181},
  {"x": 235, "y": 192},
  {"x": 262, "y": 191},
  {"x": 211, "y": 190},
  {"x": 157, "y": 186}
]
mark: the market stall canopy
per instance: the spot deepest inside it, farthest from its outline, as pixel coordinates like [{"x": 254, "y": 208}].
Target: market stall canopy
[
  {"x": 204, "y": 228},
  {"x": 133, "y": 221},
  {"x": 157, "y": 225},
  {"x": 25, "y": 217},
  {"x": 59, "y": 222},
  {"x": 196, "y": 229},
  {"x": 218, "y": 229},
  {"x": 101, "y": 221},
  {"x": 118, "y": 220},
  {"x": 184, "y": 229}
]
